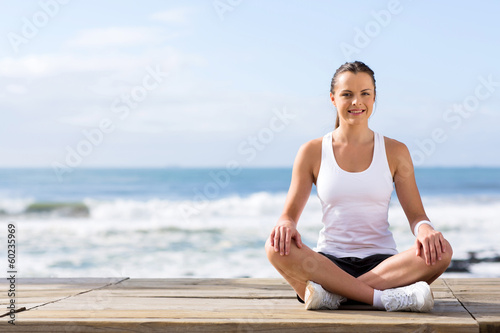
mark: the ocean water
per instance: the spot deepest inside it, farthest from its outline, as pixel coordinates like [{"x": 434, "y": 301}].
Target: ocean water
[{"x": 208, "y": 222}]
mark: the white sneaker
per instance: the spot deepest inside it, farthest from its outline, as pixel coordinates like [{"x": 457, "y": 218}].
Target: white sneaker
[
  {"x": 318, "y": 298},
  {"x": 416, "y": 297}
]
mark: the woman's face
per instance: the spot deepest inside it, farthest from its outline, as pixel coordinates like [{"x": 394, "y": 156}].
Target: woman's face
[{"x": 354, "y": 97}]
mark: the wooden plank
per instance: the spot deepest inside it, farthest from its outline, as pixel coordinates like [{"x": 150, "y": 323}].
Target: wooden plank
[
  {"x": 284, "y": 326},
  {"x": 240, "y": 305},
  {"x": 251, "y": 304},
  {"x": 252, "y": 314},
  {"x": 34, "y": 292},
  {"x": 206, "y": 288},
  {"x": 481, "y": 297}
]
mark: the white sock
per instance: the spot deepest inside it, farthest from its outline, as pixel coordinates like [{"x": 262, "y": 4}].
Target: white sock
[{"x": 377, "y": 299}]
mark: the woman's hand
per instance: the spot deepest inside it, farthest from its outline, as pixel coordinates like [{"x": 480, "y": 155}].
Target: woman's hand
[
  {"x": 282, "y": 235},
  {"x": 431, "y": 243}
]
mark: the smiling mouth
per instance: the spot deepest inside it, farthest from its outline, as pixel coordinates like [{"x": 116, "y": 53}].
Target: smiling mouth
[{"x": 357, "y": 111}]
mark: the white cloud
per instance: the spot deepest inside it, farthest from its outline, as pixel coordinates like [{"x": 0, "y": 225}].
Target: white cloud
[
  {"x": 34, "y": 66},
  {"x": 37, "y": 66},
  {"x": 118, "y": 36},
  {"x": 175, "y": 16},
  {"x": 20, "y": 67},
  {"x": 88, "y": 116},
  {"x": 16, "y": 89}
]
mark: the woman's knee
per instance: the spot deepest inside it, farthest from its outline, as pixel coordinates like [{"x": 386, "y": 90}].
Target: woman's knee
[
  {"x": 275, "y": 257},
  {"x": 270, "y": 250},
  {"x": 448, "y": 254},
  {"x": 444, "y": 262}
]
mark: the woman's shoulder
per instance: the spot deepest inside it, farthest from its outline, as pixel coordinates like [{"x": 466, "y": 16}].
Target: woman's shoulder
[
  {"x": 311, "y": 147},
  {"x": 397, "y": 154},
  {"x": 309, "y": 154},
  {"x": 394, "y": 146},
  {"x": 309, "y": 158}
]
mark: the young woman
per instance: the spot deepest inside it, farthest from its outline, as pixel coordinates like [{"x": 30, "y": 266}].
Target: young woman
[{"x": 354, "y": 170}]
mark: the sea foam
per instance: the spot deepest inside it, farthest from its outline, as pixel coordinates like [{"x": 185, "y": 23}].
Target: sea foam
[{"x": 217, "y": 238}]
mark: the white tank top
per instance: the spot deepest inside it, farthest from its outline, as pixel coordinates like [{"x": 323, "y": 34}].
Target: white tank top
[{"x": 355, "y": 205}]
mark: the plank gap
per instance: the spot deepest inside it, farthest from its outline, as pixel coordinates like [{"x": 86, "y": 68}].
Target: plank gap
[
  {"x": 459, "y": 300},
  {"x": 63, "y": 298}
]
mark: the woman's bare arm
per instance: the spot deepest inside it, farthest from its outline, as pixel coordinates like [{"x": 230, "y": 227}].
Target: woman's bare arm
[
  {"x": 300, "y": 189},
  {"x": 429, "y": 241}
]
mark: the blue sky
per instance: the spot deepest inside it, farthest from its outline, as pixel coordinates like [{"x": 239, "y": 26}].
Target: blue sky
[{"x": 207, "y": 83}]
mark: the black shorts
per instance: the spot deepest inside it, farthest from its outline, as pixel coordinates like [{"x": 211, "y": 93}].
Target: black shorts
[{"x": 355, "y": 266}]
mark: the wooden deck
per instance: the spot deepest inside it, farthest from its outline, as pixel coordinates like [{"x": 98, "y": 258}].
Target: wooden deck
[{"x": 231, "y": 305}]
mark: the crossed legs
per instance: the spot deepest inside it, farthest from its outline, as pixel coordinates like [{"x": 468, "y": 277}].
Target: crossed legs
[{"x": 302, "y": 265}]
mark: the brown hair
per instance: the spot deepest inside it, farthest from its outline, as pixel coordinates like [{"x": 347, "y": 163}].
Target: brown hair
[{"x": 353, "y": 67}]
